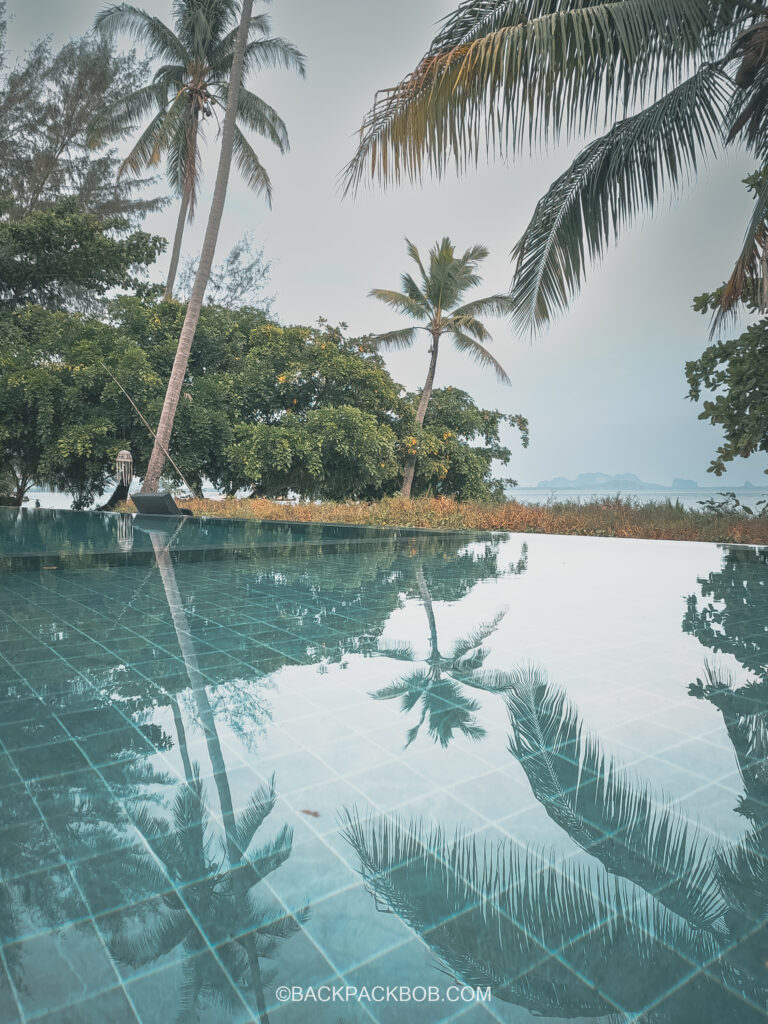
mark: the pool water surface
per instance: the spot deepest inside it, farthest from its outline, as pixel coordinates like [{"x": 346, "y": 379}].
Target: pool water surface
[{"x": 287, "y": 772}]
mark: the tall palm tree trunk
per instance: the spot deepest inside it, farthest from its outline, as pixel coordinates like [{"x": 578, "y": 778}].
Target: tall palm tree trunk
[
  {"x": 176, "y": 251},
  {"x": 172, "y": 395},
  {"x": 426, "y": 394}
]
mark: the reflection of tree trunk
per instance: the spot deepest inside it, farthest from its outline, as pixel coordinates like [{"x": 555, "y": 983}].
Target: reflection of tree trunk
[
  {"x": 213, "y": 743},
  {"x": 181, "y": 737}
]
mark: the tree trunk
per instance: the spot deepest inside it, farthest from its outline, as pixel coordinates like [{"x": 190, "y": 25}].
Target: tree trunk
[
  {"x": 172, "y": 395},
  {"x": 176, "y": 251},
  {"x": 426, "y": 394}
]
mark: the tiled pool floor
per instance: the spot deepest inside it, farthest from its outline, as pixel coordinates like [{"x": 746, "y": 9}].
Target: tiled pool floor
[{"x": 377, "y": 771}]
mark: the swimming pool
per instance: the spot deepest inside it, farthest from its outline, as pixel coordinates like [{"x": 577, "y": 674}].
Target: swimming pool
[{"x": 302, "y": 773}]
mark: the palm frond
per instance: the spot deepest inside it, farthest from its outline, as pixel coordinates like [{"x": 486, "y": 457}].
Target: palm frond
[
  {"x": 397, "y": 650},
  {"x": 752, "y": 263},
  {"x": 476, "y": 637},
  {"x": 260, "y": 805},
  {"x": 160, "y": 41},
  {"x": 257, "y": 116},
  {"x": 397, "y": 689},
  {"x": 271, "y": 855},
  {"x": 151, "y": 943},
  {"x": 615, "y": 818},
  {"x": 274, "y": 52},
  {"x": 529, "y": 71},
  {"x": 493, "y": 305},
  {"x": 479, "y": 354},
  {"x": 400, "y": 339},
  {"x": 124, "y": 116},
  {"x": 253, "y": 172},
  {"x": 401, "y": 302},
  {"x": 607, "y": 185}
]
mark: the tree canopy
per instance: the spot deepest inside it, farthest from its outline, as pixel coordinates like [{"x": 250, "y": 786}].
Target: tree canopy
[
  {"x": 47, "y": 103},
  {"x": 264, "y": 408}
]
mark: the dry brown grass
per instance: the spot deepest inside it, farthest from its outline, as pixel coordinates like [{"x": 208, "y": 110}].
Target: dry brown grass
[{"x": 609, "y": 517}]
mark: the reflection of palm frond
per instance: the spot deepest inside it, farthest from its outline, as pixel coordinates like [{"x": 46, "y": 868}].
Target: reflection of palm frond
[
  {"x": 490, "y": 914},
  {"x": 610, "y": 815},
  {"x": 475, "y": 639},
  {"x": 398, "y": 651}
]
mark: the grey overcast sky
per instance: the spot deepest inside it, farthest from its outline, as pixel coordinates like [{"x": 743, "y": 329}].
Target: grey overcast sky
[{"x": 604, "y": 389}]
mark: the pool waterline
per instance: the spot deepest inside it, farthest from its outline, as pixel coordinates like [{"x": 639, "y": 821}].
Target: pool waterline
[{"x": 256, "y": 755}]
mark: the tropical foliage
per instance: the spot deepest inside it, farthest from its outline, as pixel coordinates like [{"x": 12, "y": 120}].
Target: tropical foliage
[
  {"x": 64, "y": 258},
  {"x": 190, "y": 85},
  {"x": 45, "y": 157},
  {"x": 266, "y": 408},
  {"x": 664, "y": 83},
  {"x": 436, "y": 303}
]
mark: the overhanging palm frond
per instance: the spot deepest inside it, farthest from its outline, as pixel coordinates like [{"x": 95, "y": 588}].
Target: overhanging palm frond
[
  {"x": 528, "y": 71},
  {"x": 606, "y": 186},
  {"x": 752, "y": 264},
  {"x": 615, "y": 818},
  {"x": 488, "y": 912},
  {"x": 479, "y": 354}
]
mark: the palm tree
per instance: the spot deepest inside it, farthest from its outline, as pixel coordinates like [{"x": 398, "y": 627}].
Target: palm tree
[
  {"x": 197, "y": 294},
  {"x": 672, "y": 81},
  {"x": 191, "y": 83},
  {"x": 437, "y": 303}
]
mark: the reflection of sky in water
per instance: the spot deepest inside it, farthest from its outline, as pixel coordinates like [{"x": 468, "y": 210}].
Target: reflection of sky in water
[{"x": 149, "y": 692}]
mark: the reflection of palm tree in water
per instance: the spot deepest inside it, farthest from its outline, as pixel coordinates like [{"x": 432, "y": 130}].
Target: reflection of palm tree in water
[
  {"x": 667, "y": 892},
  {"x": 218, "y": 893},
  {"x": 438, "y": 687}
]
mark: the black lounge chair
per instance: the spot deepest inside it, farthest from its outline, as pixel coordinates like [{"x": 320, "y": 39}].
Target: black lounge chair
[{"x": 160, "y": 504}]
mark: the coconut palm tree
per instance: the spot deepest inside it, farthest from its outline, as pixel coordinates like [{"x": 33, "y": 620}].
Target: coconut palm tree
[
  {"x": 437, "y": 303},
  {"x": 197, "y": 294},
  {"x": 187, "y": 89},
  {"x": 665, "y": 83}
]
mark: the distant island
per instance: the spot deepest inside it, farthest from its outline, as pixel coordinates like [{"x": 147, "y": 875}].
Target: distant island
[{"x": 624, "y": 482}]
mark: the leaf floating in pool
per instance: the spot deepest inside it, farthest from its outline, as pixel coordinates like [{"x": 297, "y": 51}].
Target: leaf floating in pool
[{"x": 312, "y": 814}]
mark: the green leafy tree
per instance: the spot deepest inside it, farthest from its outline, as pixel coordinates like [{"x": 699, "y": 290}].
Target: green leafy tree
[
  {"x": 667, "y": 81},
  {"x": 192, "y": 81},
  {"x": 63, "y": 258},
  {"x": 238, "y": 281},
  {"x": 458, "y": 445},
  {"x": 436, "y": 302},
  {"x": 47, "y": 102}
]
